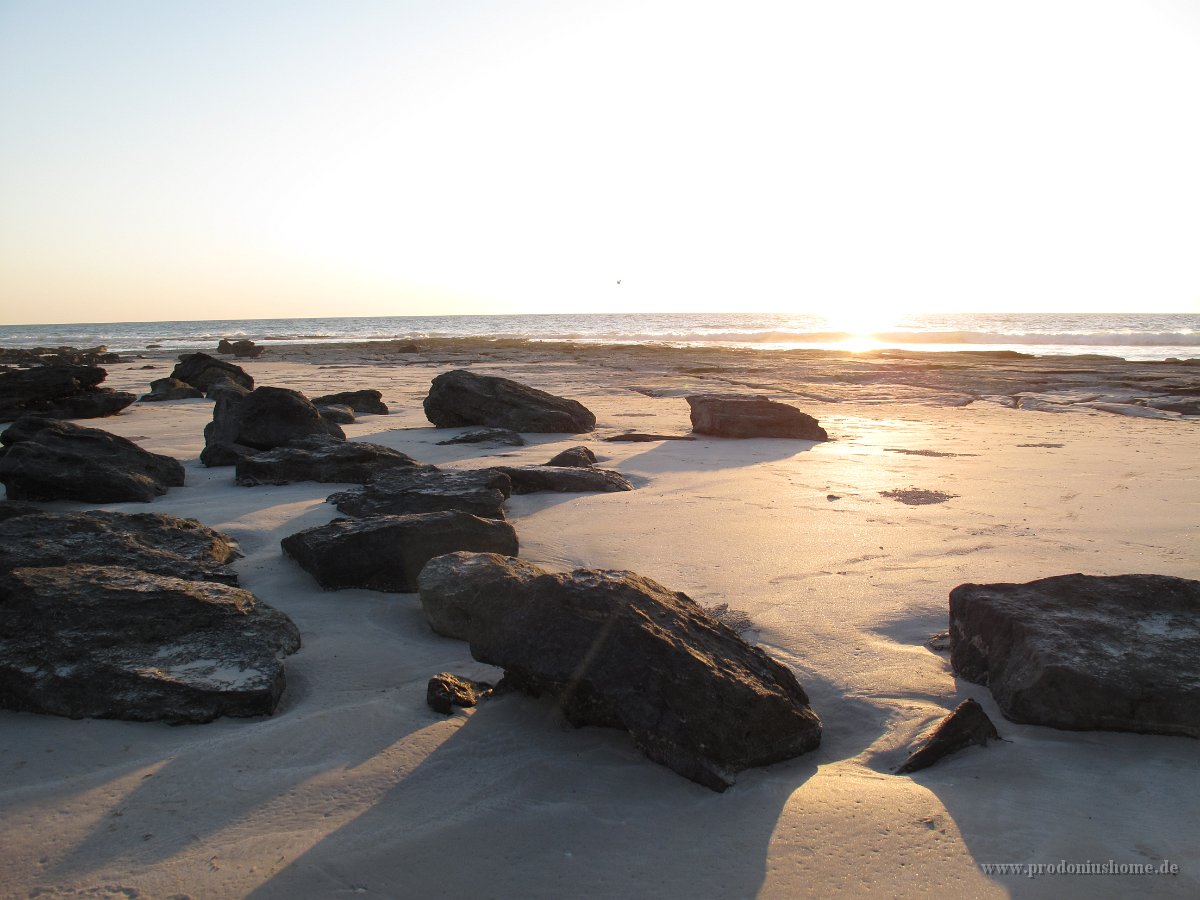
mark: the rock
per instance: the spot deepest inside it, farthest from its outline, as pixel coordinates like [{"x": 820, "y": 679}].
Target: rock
[
  {"x": 461, "y": 398},
  {"x": 967, "y": 725},
  {"x": 1081, "y": 652},
  {"x": 729, "y": 415},
  {"x": 266, "y": 418},
  {"x": 117, "y": 643},
  {"x": 170, "y": 389},
  {"x": 386, "y": 553},
  {"x": 201, "y": 371},
  {"x": 400, "y": 492},
  {"x": 322, "y": 458},
  {"x": 57, "y": 356},
  {"x": 240, "y": 348},
  {"x": 215, "y": 455},
  {"x": 574, "y": 458},
  {"x": 486, "y": 436},
  {"x": 917, "y": 496},
  {"x": 225, "y": 387},
  {"x": 362, "y": 402},
  {"x": 636, "y": 437},
  {"x": 456, "y": 588},
  {"x": 58, "y": 392},
  {"x": 150, "y": 542},
  {"x": 338, "y": 415},
  {"x": 49, "y": 459},
  {"x": 531, "y": 479},
  {"x": 619, "y": 650},
  {"x": 447, "y": 691}
]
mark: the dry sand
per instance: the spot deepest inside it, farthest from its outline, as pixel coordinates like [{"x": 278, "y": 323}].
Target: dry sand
[{"x": 354, "y": 787}]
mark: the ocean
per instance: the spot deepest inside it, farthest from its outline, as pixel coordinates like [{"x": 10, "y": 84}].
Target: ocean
[{"x": 1132, "y": 336}]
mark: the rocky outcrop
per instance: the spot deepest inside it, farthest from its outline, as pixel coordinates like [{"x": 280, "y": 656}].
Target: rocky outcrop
[
  {"x": 446, "y": 691},
  {"x": 338, "y": 415},
  {"x": 47, "y": 459},
  {"x": 110, "y": 642},
  {"x": 225, "y": 387},
  {"x": 427, "y": 489},
  {"x": 170, "y": 389},
  {"x": 619, "y": 650},
  {"x": 58, "y": 392},
  {"x": 968, "y": 725},
  {"x": 486, "y": 436},
  {"x": 243, "y": 348},
  {"x": 321, "y": 458},
  {"x": 566, "y": 479},
  {"x": 365, "y": 402},
  {"x": 579, "y": 457},
  {"x": 266, "y": 418},
  {"x": 734, "y": 416},
  {"x": 460, "y": 398},
  {"x": 150, "y": 542},
  {"x": 387, "y": 553},
  {"x": 57, "y": 356},
  {"x": 202, "y": 371},
  {"x": 1084, "y": 652}
]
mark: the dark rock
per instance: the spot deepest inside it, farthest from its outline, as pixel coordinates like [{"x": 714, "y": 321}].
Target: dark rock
[
  {"x": 49, "y": 459},
  {"x": 266, "y": 418},
  {"x": 151, "y": 542},
  {"x": 636, "y": 437},
  {"x": 729, "y": 415},
  {"x": 57, "y": 356},
  {"x": 201, "y": 370},
  {"x": 240, "y": 348},
  {"x": 58, "y": 392},
  {"x": 367, "y": 403},
  {"x": 574, "y": 458},
  {"x": 456, "y": 588},
  {"x": 531, "y": 479},
  {"x": 486, "y": 436},
  {"x": 400, "y": 492},
  {"x": 225, "y": 387},
  {"x": 1081, "y": 652},
  {"x": 111, "y": 642},
  {"x": 222, "y": 454},
  {"x": 967, "y": 725},
  {"x": 386, "y": 553},
  {"x": 619, "y": 650},
  {"x": 461, "y": 398},
  {"x": 447, "y": 691},
  {"x": 170, "y": 389},
  {"x": 338, "y": 415},
  {"x": 321, "y": 458},
  {"x": 917, "y": 496}
]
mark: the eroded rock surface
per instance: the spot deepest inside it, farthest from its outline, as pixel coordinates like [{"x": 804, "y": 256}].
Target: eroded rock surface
[
  {"x": 566, "y": 479},
  {"x": 321, "y": 458},
  {"x": 59, "y": 392},
  {"x": 481, "y": 492},
  {"x": 265, "y": 418},
  {"x": 460, "y": 397},
  {"x": 202, "y": 371},
  {"x": 735, "y": 416}
]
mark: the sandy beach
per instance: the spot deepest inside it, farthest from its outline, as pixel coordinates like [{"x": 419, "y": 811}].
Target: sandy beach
[{"x": 355, "y": 787}]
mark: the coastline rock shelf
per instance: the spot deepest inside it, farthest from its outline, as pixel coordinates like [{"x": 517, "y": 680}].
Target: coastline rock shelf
[
  {"x": 618, "y": 650},
  {"x": 1084, "y": 652}
]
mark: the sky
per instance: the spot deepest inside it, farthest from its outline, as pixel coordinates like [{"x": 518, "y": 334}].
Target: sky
[{"x": 204, "y": 160}]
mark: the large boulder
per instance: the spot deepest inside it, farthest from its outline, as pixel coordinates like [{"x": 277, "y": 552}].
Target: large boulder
[
  {"x": 322, "y": 458},
  {"x": 151, "y": 542},
  {"x": 567, "y": 479},
  {"x": 1117, "y": 652},
  {"x": 428, "y": 489},
  {"x": 201, "y": 371},
  {"x": 617, "y": 649},
  {"x": 111, "y": 642},
  {"x": 59, "y": 392},
  {"x": 364, "y": 402},
  {"x": 265, "y": 418},
  {"x": 730, "y": 415},
  {"x": 47, "y": 459},
  {"x": 387, "y": 553},
  {"x": 170, "y": 389},
  {"x": 461, "y": 398}
]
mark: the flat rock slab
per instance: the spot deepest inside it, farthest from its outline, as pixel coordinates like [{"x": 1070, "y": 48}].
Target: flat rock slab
[
  {"x": 638, "y": 437},
  {"x": 59, "y": 392},
  {"x": 398, "y": 492},
  {"x": 735, "y": 416},
  {"x": 619, "y": 650},
  {"x": 203, "y": 371},
  {"x": 117, "y": 643},
  {"x": 364, "y": 402},
  {"x": 152, "y": 542},
  {"x": 565, "y": 479},
  {"x": 387, "y": 553},
  {"x": 321, "y": 458},
  {"x": 459, "y": 398},
  {"x": 486, "y": 436},
  {"x": 1084, "y": 652},
  {"x": 48, "y": 459}
]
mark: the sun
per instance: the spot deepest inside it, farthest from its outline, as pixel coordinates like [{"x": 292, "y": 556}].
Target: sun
[{"x": 860, "y": 327}]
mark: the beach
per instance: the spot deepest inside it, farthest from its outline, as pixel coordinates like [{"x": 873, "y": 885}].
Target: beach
[{"x": 1038, "y": 466}]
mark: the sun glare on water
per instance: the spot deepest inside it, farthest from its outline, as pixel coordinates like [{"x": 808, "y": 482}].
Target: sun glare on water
[{"x": 860, "y": 328}]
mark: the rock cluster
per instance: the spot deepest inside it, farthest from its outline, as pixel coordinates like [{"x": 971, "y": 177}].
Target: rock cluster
[
  {"x": 59, "y": 392},
  {"x": 241, "y": 347}
]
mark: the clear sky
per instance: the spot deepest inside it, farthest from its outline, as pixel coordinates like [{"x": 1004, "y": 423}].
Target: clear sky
[{"x": 166, "y": 159}]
